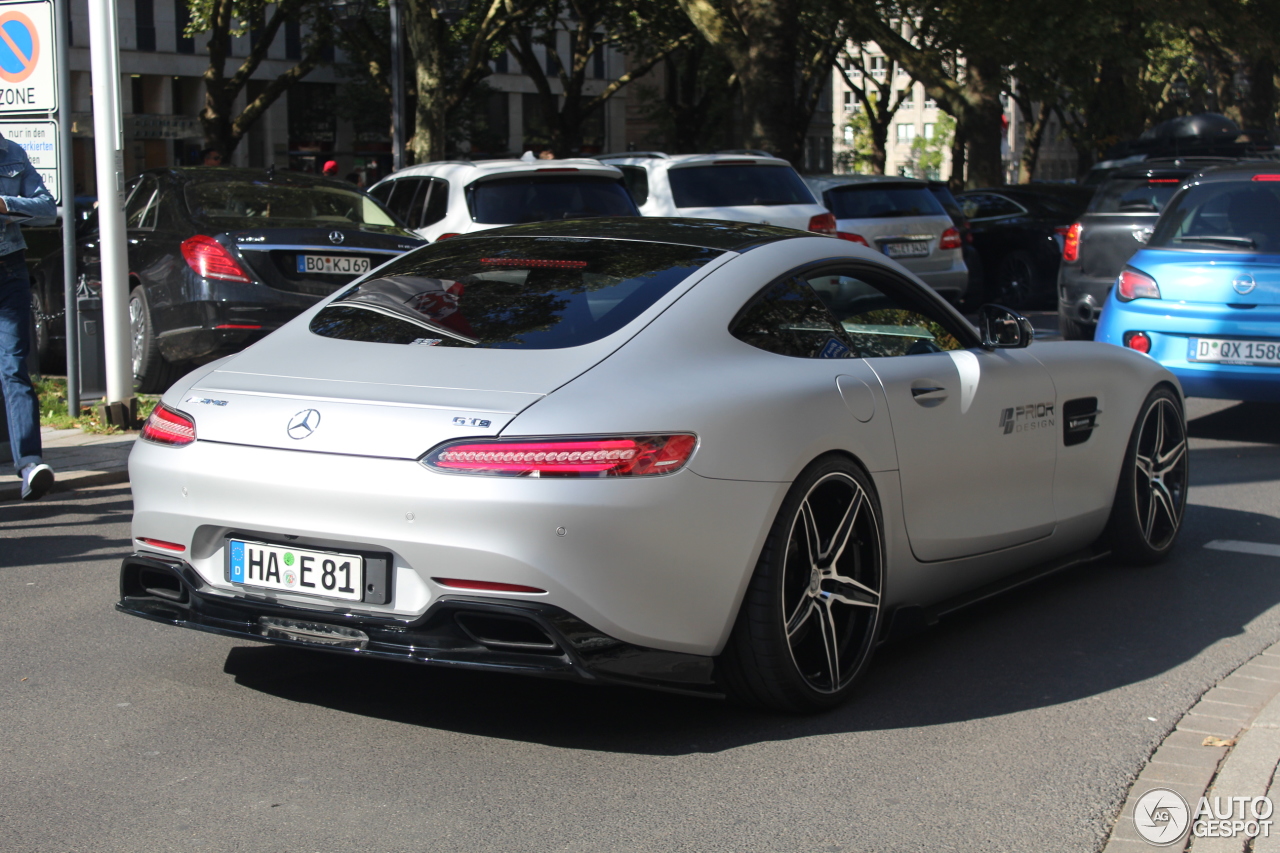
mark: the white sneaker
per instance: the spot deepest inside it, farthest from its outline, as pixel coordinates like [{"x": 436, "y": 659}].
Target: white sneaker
[{"x": 36, "y": 480}]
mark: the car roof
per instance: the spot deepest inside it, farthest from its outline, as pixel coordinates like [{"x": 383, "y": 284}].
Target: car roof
[
  {"x": 220, "y": 174},
  {"x": 676, "y": 161},
  {"x": 1168, "y": 167},
  {"x": 823, "y": 183},
  {"x": 1242, "y": 170},
  {"x": 467, "y": 170},
  {"x": 706, "y": 233}
]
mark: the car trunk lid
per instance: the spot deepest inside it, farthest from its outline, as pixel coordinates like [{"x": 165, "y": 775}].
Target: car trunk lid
[
  {"x": 1107, "y": 241},
  {"x": 1234, "y": 278},
  {"x": 316, "y": 261}
]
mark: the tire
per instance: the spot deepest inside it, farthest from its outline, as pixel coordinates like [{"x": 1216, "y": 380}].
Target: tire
[
  {"x": 51, "y": 357},
  {"x": 1014, "y": 283},
  {"x": 1151, "y": 496},
  {"x": 1073, "y": 330},
  {"x": 151, "y": 373},
  {"x": 809, "y": 619}
]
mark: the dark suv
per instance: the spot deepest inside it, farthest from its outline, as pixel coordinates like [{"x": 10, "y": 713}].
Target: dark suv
[{"x": 1116, "y": 225}]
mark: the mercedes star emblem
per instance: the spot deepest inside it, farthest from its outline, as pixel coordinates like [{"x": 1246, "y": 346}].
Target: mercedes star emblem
[
  {"x": 1243, "y": 283},
  {"x": 303, "y": 424},
  {"x": 336, "y": 237}
]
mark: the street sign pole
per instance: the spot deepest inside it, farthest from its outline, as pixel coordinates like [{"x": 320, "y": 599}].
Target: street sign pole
[
  {"x": 108, "y": 144},
  {"x": 69, "y": 221},
  {"x": 397, "y": 89}
]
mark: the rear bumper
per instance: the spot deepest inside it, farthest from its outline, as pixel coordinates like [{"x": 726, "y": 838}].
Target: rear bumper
[
  {"x": 953, "y": 282},
  {"x": 1081, "y": 297},
  {"x": 522, "y": 637},
  {"x": 211, "y": 329}
]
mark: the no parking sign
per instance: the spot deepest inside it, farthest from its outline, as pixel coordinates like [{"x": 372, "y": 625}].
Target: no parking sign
[{"x": 28, "y": 78}]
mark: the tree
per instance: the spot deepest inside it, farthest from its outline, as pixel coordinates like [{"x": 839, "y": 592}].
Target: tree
[
  {"x": 879, "y": 102},
  {"x": 647, "y": 30},
  {"x": 695, "y": 109},
  {"x": 225, "y": 19},
  {"x": 781, "y": 52},
  {"x": 927, "y": 153}
]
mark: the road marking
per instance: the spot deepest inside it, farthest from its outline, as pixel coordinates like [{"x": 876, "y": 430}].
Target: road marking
[{"x": 1261, "y": 548}]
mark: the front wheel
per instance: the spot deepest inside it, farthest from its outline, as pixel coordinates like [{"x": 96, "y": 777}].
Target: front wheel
[
  {"x": 808, "y": 622},
  {"x": 1152, "y": 493},
  {"x": 151, "y": 373},
  {"x": 1015, "y": 282}
]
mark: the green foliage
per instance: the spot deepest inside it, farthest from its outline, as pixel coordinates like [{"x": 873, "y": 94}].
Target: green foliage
[
  {"x": 860, "y": 157},
  {"x": 928, "y": 155},
  {"x": 52, "y": 393}
]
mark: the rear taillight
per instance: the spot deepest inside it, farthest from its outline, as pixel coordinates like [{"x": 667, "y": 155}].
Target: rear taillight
[
  {"x": 1267, "y": 176},
  {"x": 603, "y": 456},
  {"x": 210, "y": 259},
  {"x": 1139, "y": 341},
  {"x": 165, "y": 426},
  {"x": 486, "y": 586},
  {"x": 1134, "y": 285},
  {"x": 447, "y": 236},
  {"x": 950, "y": 239},
  {"x": 853, "y": 238},
  {"x": 823, "y": 223},
  {"x": 1071, "y": 242},
  {"x": 161, "y": 544},
  {"x": 534, "y": 263}
]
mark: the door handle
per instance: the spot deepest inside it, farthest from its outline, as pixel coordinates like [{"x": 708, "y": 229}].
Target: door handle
[{"x": 928, "y": 390}]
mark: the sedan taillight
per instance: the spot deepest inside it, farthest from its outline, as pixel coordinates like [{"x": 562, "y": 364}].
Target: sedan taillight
[
  {"x": 166, "y": 426},
  {"x": 853, "y": 238},
  {"x": 950, "y": 239},
  {"x": 210, "y": 259},
  {"x": 603, "y": 456},
  {"x": 1071, "y": 243},
  {"x": 823, "y": 223},
  {"x": 1133, "y": 285}
]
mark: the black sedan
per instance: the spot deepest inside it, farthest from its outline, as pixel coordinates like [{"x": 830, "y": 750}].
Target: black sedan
[
  {"x": 219, "y": 257},
  {"x": 1019, "y": 231}
]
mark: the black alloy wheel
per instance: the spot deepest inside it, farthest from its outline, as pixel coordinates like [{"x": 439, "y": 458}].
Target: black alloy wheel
[
  {"x": 808, "y": 623},
  {"x": 151, "y": 373},
  {"x": 1014, "y": 283}
]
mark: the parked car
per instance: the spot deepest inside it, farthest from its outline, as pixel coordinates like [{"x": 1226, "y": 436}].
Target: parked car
[
  {"x": 445, "y": 199},
  {"x": 48, "y": 322},
  {"x": 1116, "y": 224},
  {"x": 902, "y": 219},
  {"x": 744, "y": 187},
  {"x": 972, "y": 260},
  {"x": 708, "y": 457},
  {"x": 219, "y": 257},
  {"x": 1019, "y": 231},
  {"x": 1202, "y": 297}
]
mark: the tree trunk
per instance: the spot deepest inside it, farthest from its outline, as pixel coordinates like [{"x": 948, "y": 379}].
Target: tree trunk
[
  {"x": 981, "y": 122},
  {"x": 424, "y": 31},
  {"x": 958, "y": 144},
  {"x": 879, "y": 146},
  {"x": 1033, "y": 142}
]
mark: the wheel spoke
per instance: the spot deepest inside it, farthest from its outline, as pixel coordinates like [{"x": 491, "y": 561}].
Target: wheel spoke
[
  {"x": 1150, "y": 521},
  {"x": 1146, "y": 465},
  {"x": 1166, "y": 462},
  {"x": 844, "y": 531},
  {"x": 801, "y": 615},
  {"x": 830, "y": 643},
  {"x": 1160, "y": 495},
  {"x": 850, "y": 591},
  {"x": 810, "y": 526}
]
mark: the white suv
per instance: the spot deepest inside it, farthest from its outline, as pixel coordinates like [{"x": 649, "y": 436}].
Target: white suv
[
  {"x": 737, "y": 187},
  {"x": 444, "y": 199}
]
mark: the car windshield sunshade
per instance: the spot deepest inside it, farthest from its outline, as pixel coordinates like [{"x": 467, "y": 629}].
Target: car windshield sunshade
[
  {"x": 1223, "y": 217},
  {"x": 510, "y": 292},
  {"x": 256, "y": 204},
  {"x": 1134, "y": 195},
  {"x": 876, "y": 201},
  {"x": 737, "y": 186},
  {"x": 537, "y": 198}
]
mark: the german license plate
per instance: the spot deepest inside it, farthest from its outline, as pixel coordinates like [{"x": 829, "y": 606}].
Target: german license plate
[
  {"x": 914, "y": 249},
  {"x": 333, "y": 264},
  {"x": 1219, "y": 351},
  {"x": 327, "y": 574}
]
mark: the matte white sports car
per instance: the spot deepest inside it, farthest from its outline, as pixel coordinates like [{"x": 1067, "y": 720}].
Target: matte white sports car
[{"x": 702, "y": 456}]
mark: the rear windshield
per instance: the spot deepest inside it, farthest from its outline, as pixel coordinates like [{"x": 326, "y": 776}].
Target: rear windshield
[
  {"x": 511, "y": 201},
  {"x": 875, "y": 201},
  {"x": 737, "y": 186},
  {"x": 251, "y": 204},
  {"x": 1134, "y": 195},
  {"x": 509, "y": 292},
  {"x": 1224, "y": 217}
]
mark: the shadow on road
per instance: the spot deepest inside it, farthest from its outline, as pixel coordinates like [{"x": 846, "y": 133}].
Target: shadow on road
[
  {"x": 1253, "y": 422},
  {"x": 1079, "y": 634},
  {"x": 62, "y": 509}
]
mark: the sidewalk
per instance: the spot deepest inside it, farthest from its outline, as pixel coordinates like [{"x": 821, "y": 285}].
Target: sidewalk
[
  {"x": 79, "y": 459},
  {"x": 1228, "y": 745}
]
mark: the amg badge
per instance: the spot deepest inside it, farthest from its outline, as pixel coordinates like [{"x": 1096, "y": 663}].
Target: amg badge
[{"x": 1026, "y": 418}]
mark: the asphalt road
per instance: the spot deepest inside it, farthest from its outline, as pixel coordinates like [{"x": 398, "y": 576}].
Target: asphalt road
[{"x": 1016, "y": 725}]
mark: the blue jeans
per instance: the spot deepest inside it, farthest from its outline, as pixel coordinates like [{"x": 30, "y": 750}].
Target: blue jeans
[{"x": 20, "y": 401}]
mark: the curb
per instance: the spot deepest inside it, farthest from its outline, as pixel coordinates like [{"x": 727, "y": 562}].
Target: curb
[
  {"x": 1242, "y": 713},
  {"x": 69, "y": 482}
]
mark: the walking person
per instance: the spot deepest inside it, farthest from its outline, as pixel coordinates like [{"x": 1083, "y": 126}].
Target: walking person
[{"x": 23, "y": 200}]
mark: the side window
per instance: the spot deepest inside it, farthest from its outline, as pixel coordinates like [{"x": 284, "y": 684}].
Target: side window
[
  {"x": 402, "y": 197},
  {"x": 881, "y": 318},
  {"x": 437, "y": 204},
  {"x": 382, "y": 192},
  {"x": 136, "y": 208},
  {"x": 637, "y": 181},
  {"x": 989, "y": 206},
  {"x": 788, "y": 318}
]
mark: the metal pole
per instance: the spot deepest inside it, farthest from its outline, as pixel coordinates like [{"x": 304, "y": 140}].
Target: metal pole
[
  {"x": 397, "y": 90},
  {"x": 68, "y": 194},
  {"x": 108, "y": 145}
]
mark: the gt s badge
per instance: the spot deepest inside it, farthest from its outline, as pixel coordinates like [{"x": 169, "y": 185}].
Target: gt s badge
[
  {"x": 1026, "y": 418},
  {"x": 475, "y": 422}
]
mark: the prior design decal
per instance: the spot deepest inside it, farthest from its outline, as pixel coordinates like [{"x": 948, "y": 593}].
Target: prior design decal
[{"x": 1026, "y": 418}]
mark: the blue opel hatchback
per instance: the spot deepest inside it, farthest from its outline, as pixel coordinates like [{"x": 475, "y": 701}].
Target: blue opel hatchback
[{"x": 1203, "y": 296}]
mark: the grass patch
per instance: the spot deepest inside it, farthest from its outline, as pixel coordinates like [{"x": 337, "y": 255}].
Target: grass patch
[{"x": 52, "y": 391}]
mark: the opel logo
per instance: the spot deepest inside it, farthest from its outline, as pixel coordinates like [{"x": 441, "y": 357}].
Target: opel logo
[
  {"x": 336, "y": 237},
  {"x": 303, "y": 424},
  {"x": 1243, "y": 283}
]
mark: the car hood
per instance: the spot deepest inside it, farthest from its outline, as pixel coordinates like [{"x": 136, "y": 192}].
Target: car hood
[{"x": 1213, "y": 277}]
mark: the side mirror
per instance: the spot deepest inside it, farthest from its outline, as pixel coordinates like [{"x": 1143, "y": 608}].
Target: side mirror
[{"x": 1004, "y": 328}]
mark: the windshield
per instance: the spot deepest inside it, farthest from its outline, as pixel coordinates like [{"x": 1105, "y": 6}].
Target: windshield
[
  {"x": 878, "y": 201},
  {"x": 510, "y": 292},
  {"x": 255, "y": 204},
  {"x": 737, "y": 186},
  {"x": 511, "y": 201},
  {"x": 1134, "y": 195},
  {"x": 1236, "y": 216}
]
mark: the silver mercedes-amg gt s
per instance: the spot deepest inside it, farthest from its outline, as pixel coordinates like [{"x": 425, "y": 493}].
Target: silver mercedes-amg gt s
[{"x": 702, "y": 456}]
